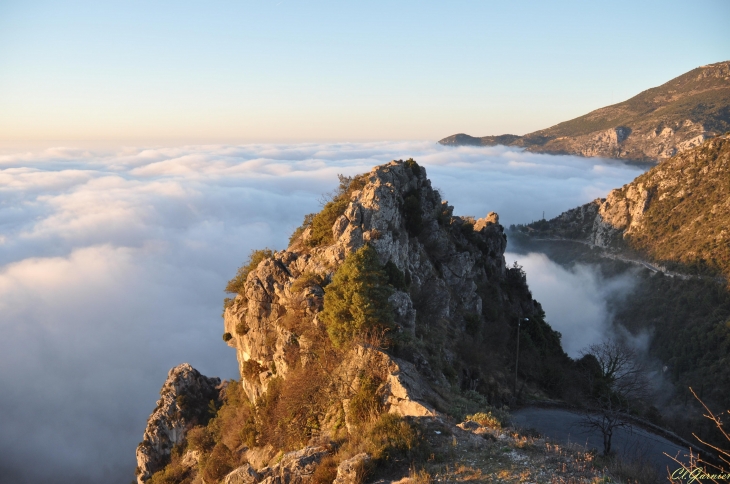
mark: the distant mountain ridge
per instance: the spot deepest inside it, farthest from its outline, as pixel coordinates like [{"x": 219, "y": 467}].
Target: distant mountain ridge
[{"x": 654, "y": 125}]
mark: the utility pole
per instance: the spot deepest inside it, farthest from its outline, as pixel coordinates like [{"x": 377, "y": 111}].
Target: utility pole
[{"x": 517, "y": 357}]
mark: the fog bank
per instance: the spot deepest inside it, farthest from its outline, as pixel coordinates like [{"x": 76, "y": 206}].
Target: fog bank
[
  {"x": 575, "y": 300},
  {"x": 113, "y": 263}
]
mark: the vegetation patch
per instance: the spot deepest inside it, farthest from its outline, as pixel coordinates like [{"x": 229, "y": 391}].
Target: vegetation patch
[
  {"x": 412, "y": 212},
  {"x": 356, "y": 301},
  {"x": 321, "y": 223},
  {"x": 307, "y": 279},
  {"x": 366, "y": 405},
  {"x": 396, "y": 277},
  {"x": 242, "y": 328},
  {"x": 251, "y": 369},
  {"x": 236, "y": 285}
]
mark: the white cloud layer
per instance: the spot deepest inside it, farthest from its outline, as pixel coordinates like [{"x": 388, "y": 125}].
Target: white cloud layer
[
  {"x": 576, "y": 300},
  {"x": 112, "y": 266}
]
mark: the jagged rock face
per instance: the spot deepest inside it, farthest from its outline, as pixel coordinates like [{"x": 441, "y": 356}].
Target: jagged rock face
[
  {"x": 441, "y": 256},
  {"x": 678, "y": 210},
  {"x": 652, "y": 126},
  {"x": 352, "y": 470},
  {"x": 294, "y": 468},
  {"x": 654, "y": 141},
  {"x": 620, "y": 214},
  {"x": 184, "y": 400}
]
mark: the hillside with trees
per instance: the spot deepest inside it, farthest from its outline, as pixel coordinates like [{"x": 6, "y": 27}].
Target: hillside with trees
[
  {"x": 669, "y": 230},
  {"x": 676, "y": 215}
]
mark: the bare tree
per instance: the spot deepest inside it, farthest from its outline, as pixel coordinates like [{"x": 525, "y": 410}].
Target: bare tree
[
  {"x": 695, "y": 468},
  {"x": 617, "y": 382}
]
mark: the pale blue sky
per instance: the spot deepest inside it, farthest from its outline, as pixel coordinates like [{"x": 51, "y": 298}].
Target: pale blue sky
[{"x": 162, "y": 72}]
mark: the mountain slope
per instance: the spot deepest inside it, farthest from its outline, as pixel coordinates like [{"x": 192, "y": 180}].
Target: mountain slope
[
  {"x": 676, "y": 216},
  {"x": 651, "y": 126},
  {"x": 676, "y": 213}
]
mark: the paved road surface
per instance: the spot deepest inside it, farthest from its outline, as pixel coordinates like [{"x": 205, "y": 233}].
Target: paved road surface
[{"x": 564, "y": 426}]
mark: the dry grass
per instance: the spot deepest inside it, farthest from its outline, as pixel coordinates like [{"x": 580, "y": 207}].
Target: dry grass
[
  {"x": 487, "y": 454},
  {"x": 694, "y": 465}
]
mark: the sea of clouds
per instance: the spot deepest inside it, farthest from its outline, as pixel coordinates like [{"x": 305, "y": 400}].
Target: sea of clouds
[{"x": 113, "y": 264}]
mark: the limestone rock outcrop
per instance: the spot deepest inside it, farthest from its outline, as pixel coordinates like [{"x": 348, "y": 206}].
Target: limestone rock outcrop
[
  {"x": 294, "y": 467},
  {"x": 443, "y": 257},
  {"x": 352, "y": 470},
  {"x": 453, "y": 301},
  {"x": 184, "y": 400}
]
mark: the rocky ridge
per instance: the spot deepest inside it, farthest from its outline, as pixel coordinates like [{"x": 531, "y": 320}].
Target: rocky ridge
[
  {"x": 184, "y": 400},
  {"x": 439, "y": 262},
  {"x": 679, "y": 211},
  {"x": 652, "y": 126},
  {"x": 454, "y": 304}
]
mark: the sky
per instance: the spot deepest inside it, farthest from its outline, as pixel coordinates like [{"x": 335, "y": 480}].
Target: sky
[
  {"x": 147, "y": 147},
  {"x": 141, "y": 73},
  {"x": 113, "y": 264}
]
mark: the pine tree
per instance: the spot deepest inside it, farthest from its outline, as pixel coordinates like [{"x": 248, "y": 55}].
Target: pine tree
[{"x": 357, "y": 298}]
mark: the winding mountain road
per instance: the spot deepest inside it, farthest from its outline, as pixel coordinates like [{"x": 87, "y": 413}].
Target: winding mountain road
[
  {"x": 616, "y": 256},
  {"x": 634, "y": 443}
]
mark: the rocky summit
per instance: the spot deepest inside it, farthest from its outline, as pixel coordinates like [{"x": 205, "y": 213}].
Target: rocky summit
[
  {"x": 184, "y": 400},
  {"x": 651, "y": 126},
  {"x": 387, "y": 315}
]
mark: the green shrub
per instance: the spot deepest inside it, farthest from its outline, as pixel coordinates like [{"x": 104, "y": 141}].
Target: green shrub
[
  {"x": 393, "y": 437},
  {"x": 486, "y": 419},
  {"x": 250, "y": 370},
  {"x": 306, "y": 280},
  {"x": 412, "y": 212},
  {"x": 295, "y": 416},
  {"x": 236, "y": 285},
  {"x": 234, "y": 424},
  {"x": 227, "y": 337},
  {"x": 322, "y": 222},
  {"x": 326, "y": 471},
  {"x": 174, "y": 472},
  {"x": 396, "y": 278},
  {"x": 171, "y": 474},
  {"x": 219, "y": 463},
  {"x": 356, "y": 301},
  {"x": 415, "y": 168},
  {"x": 365, "y": 405},
  {"x": 242, "y": 328},
  {"x": 300, "y": 230},
  {"x": 200, "y": 438}
]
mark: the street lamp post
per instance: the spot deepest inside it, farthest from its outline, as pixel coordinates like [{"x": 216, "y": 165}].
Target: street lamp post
[{"x": 517, "y": 357}]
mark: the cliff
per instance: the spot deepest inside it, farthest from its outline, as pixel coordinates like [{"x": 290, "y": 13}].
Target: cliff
[
  {"x": 184, "y": 402},
  {"x": 454, "y": 281},
  {"x": 651, "y": 126},
  {"x": 386, "y": 308},
  {"x": 677, "y": 213}
]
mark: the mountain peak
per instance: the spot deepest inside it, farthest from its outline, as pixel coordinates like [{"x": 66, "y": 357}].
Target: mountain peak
[{"x": 386, "y": 309}]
